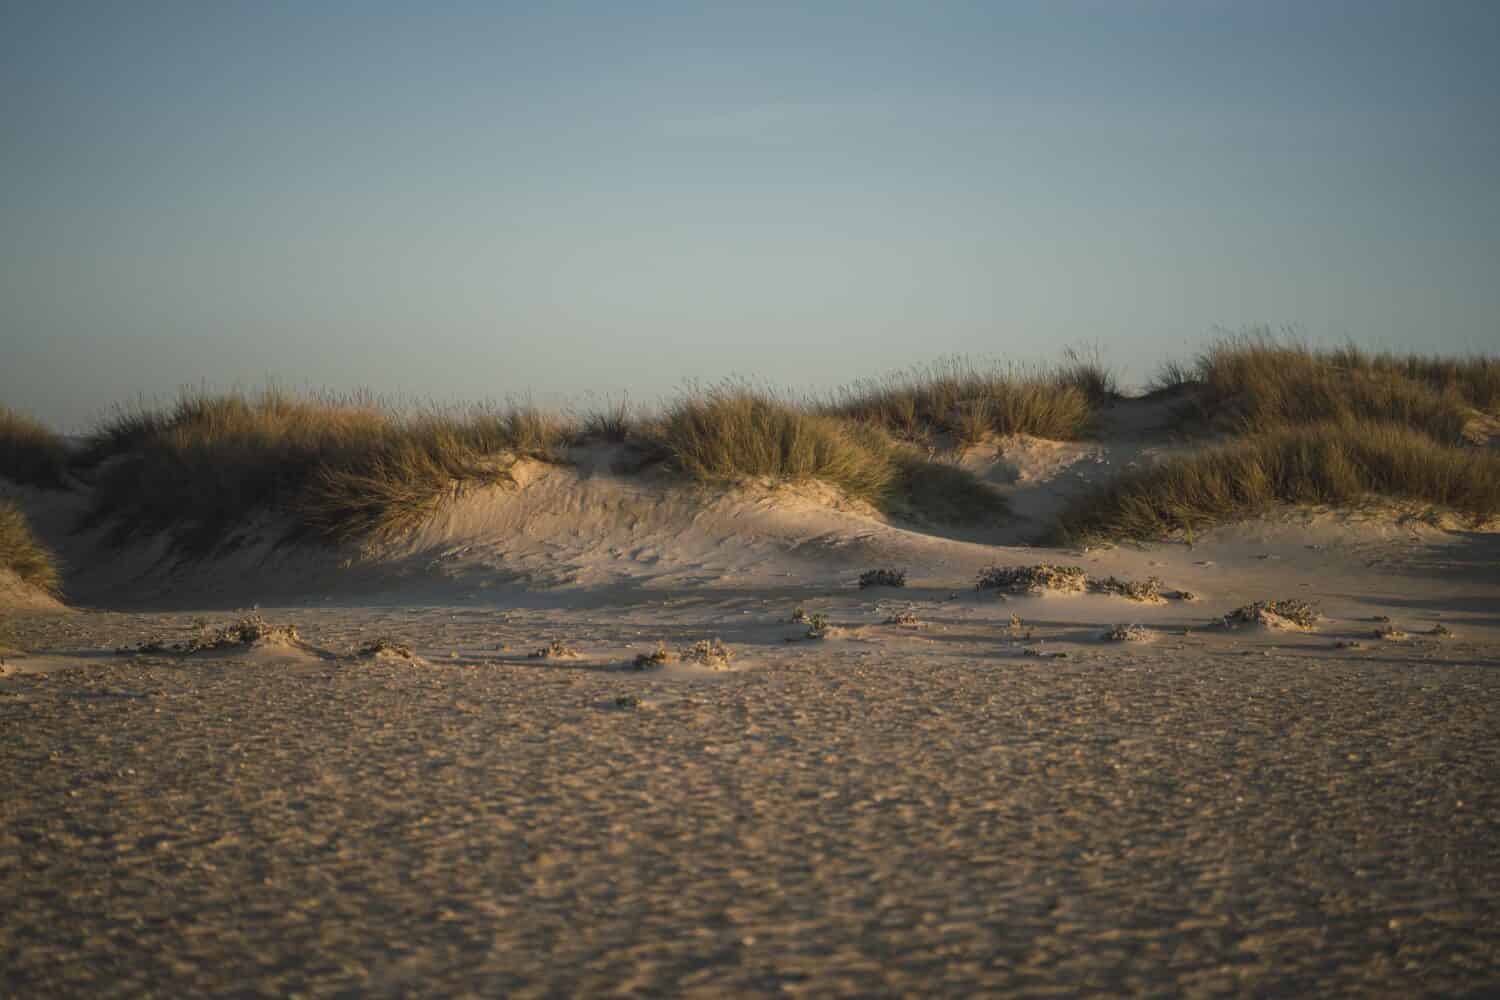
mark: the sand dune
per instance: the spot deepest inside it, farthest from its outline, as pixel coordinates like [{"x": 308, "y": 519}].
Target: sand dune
[{"x": 885, "y": 791}]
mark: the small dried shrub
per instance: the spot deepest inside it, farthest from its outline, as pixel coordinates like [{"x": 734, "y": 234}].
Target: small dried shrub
[
  {"x": 1149, "y": 592},
  {"x": 251, "y": 630},
  {"x": 882, "y": 578},
  {"x": 555, "y": 650},
  {"x": 708, "y": 653},
  {"x": 658, "y": 657},
  {"x": 385, "y": 647},
  {"x": 1128, "y": 633},
  {"x": 1033, "y": 579},
  {"x": 1285, "y": 614}
]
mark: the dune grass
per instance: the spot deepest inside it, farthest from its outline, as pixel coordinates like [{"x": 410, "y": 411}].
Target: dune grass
[
  {"x": 1331, "y": 463},
  {"x": 1256, "y": 381},
  {"x": 21, "y": 553},
  {"x": 969, "y": 403},
  {"x": 338, "y": 467},
  {"x": 732, "y": 433},
  {"x": 30, "y": 452}
]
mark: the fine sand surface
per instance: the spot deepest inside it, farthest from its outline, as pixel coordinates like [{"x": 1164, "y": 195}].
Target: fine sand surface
[{"x": 987, "y": 798}]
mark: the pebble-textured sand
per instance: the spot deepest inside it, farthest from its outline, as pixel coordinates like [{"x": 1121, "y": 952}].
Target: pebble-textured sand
[{"x": 920, "y": 812}]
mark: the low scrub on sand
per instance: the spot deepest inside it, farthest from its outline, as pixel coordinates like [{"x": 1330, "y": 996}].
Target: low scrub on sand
[
  {"x": 1284, "y": 614},
  {"x": 30, "y": 452},
  {"x": 968, "y": 403},
  {"x": 22, "y": 554},
  {"x": 882, "y": 578},
  {"x": 1045, "y": 578},
  {"x": 1336, "y": 463},
  {"x": 708, "y": 653},
  {"x": 338, "y": 467},
  {"x": 1257, "y": 381},
  {"x": 250, "y": 631},
  {"x": 732, "y": 433}
]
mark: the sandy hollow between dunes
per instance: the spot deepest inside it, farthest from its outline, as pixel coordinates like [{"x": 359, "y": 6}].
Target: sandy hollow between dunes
[{"x": 952, "y": 793}]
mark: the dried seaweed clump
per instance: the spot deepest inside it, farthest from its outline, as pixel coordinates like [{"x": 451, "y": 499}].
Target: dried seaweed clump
[
  {"x": 1289, "y": 614},
  {"x": 658, "y": 657},
  {"x": 555, "y": 650},
  {"x": 882, "y": 578},
  {"x": 1128, "y": 633},
  {"x": 708, "y": 653},
  {"x": 385, "y": 647},
  {"x": 252, "y": 630},
  {"x": 1072, "y": 580},
  {"x": 1033, "y": 579}
]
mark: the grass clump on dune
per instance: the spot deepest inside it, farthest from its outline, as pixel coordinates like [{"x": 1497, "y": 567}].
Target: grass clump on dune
[
  {"x": 22, "y": 554},
  {"x": 1256, "y": 381},
  {"x": 31, "y": 452},
  {"x": 1334, "y": 463},
  {"x": 338, "y": 467},
  {"x": 731, "y": 433},
  {"x": 969, "y": 403}
]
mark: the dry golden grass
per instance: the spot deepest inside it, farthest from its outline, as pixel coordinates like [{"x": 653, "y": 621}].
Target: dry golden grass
[
  {"x": 337, "y": 467},
  {"x": 22, "y": 554},
  {"x": 732, "y": 433},
  {"x": 969, "y": 403},
  {"x": 30, "y": 452},
  {"x": 1333, "y": 463},
  {"x": 1256, "y": 381}
]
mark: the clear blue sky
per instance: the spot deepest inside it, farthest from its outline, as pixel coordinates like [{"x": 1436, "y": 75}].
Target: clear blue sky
[{"x": 561, "y": 198}]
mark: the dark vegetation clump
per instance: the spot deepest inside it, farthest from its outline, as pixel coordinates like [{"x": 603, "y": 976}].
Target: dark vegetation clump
[
  {"x": 658, "y": 657},
  {"x": 882, "y": 578},
  {"x": 23, "y": 554},
  {"x": 30, "y": 452},
  {"x": 555, "y": 650}
]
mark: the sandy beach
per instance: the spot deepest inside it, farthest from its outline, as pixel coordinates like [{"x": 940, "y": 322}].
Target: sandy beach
[{"x": 953, "y": 791}]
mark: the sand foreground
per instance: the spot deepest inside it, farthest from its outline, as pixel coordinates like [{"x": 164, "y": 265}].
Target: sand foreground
[{"x": 891, "y": 812}]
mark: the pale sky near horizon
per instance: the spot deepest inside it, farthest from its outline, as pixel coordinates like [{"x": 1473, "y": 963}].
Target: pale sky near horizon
[{"x": 463, "y": 201}]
